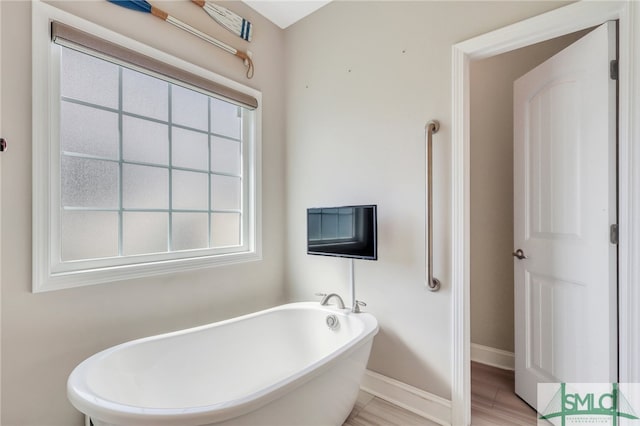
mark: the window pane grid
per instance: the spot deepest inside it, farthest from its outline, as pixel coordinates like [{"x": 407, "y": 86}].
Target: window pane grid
[
  {"x": 219, "y": 218},
  {"x": 170, "y": 189},
  {"x": 209, "y": 224},
  {"x": 134, "y": 210},
  {"x": 143, "y": 163},
  {"x": 152, "y": 119},
  {"x": 120, "y": 168}
]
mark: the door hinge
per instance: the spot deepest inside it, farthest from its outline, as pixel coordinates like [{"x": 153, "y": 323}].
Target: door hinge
[
  {"x": 613, "y": 234},
  {"x": 613, "y": 69}
]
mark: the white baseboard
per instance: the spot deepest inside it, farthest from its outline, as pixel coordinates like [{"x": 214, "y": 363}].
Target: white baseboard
[
  {"x": 494, "y": 357},
  {"x": 416, "y": 400}
]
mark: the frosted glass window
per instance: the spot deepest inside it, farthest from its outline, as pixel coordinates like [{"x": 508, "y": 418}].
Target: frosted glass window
[
  {"x": 88, "y": 79},
  {"x": 226, "y": 119},
  {"x": 226, "y": 156},
  {"x": 189, "y": 108},
  {"x": 89, "y": 183},
  {"x": 225, "y": 229},
  {"x": 145, "y": 141},
  {"x": 225, "y": 192},
  {"x": 190, "y": 231},
  {"x": 145, "y": 233},
  {"x": 88, "y": 130},
  {"x": 150, "y": 170},
  {"x": 190, "y": 149},
  {"x": 145, "y": 187},
  {"x": 190, "y": 190},
  {"x": 89, "y": 235},
  {"x": 145, "y": 95}
]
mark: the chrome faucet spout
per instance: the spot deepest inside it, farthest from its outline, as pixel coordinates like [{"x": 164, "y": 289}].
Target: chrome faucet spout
[{"x": 326, "y": 298}]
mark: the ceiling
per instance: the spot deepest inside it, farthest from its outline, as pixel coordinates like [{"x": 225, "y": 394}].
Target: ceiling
[{"x": 285, "y": 13}]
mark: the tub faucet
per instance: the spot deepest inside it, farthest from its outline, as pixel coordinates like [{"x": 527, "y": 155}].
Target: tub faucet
[{"x": 327, "y": 297}]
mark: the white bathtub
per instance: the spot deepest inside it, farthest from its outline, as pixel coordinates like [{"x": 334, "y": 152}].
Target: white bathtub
[{"x": 282, "y": 366}]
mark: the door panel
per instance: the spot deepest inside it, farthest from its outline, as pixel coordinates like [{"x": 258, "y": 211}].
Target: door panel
[
  {"x": 555, "y": 184},
  {"x": 552, "y": 303},
  {"x": 564, "y": 202}
]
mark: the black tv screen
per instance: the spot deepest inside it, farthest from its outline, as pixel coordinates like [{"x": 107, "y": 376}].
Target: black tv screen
[{"x": 349, "y": 231}]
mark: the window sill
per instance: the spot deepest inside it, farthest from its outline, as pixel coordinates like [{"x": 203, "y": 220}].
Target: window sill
[{"x": 46, "y": 281}]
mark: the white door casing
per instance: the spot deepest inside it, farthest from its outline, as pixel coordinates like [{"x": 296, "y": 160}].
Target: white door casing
[
  {"x": 0, "y": 214},
  {"x": 1, "y": 133},
  {"x": 564, "y": 203}
]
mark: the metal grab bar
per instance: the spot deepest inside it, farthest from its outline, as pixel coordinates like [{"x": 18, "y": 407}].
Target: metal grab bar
[{"x": 433, "y": 284}]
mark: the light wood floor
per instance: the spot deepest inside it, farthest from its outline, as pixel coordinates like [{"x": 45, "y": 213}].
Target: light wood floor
[
  {"x": 493, "y": 403},
  {"x": 373, "y": 411},
  {"x": 493, "y": 399}
]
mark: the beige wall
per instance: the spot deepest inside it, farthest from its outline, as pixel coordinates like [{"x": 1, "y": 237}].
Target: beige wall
[
  {"x": 45, "y": 335},
  {"x": 492, "y": 188},
  {"x": 363, "y": 79}
]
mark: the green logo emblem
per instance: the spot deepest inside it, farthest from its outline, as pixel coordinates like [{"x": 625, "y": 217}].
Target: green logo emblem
[{"x": 582, "y": 404}]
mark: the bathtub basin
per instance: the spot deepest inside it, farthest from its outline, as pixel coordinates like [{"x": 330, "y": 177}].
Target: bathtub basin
[{"x": 281, "y": 366}]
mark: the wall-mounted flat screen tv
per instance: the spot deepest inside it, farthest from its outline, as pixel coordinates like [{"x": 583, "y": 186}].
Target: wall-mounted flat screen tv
[{"x": 349, "y": 231}]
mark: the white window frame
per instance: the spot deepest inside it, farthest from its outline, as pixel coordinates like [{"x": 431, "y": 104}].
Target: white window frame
[{"x": 49, "y": 272}]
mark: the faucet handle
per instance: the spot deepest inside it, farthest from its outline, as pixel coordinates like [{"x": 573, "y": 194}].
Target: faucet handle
[
  {"x": 321, "y": 294},
  {"x": 356, "y": 307}
]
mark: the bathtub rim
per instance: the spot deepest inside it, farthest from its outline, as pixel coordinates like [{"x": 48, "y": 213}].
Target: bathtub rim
[{"x": 84, "y": 400}]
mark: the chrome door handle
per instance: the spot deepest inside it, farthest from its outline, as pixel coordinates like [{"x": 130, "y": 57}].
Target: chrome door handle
[{"x": 519, "y": 254}]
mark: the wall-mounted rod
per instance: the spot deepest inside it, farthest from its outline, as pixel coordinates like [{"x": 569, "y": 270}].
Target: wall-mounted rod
[
  {"x": 352, "y": 285},
  {"x": 432, "y": 283}
]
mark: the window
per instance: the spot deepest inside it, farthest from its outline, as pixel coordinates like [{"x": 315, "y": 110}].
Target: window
[
  {"x": 146, "y": 173},
  {"x": 146, "y": 166}
]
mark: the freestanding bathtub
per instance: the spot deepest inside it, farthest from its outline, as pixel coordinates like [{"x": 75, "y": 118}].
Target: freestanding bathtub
[{"x": 281, "y": 366}]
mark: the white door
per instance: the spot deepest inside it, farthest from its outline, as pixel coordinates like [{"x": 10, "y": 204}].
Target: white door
[{"x": 564, "y": 204}]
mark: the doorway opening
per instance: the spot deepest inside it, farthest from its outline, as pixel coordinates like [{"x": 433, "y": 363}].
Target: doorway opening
[
  {"x": 562, "y": 21},
  {"x": 491, "y": 227}
]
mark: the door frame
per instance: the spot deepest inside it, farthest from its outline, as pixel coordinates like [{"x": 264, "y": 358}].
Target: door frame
[
  {"x": 1, "y": 129},
  {"x": 559, "y": 22}
]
